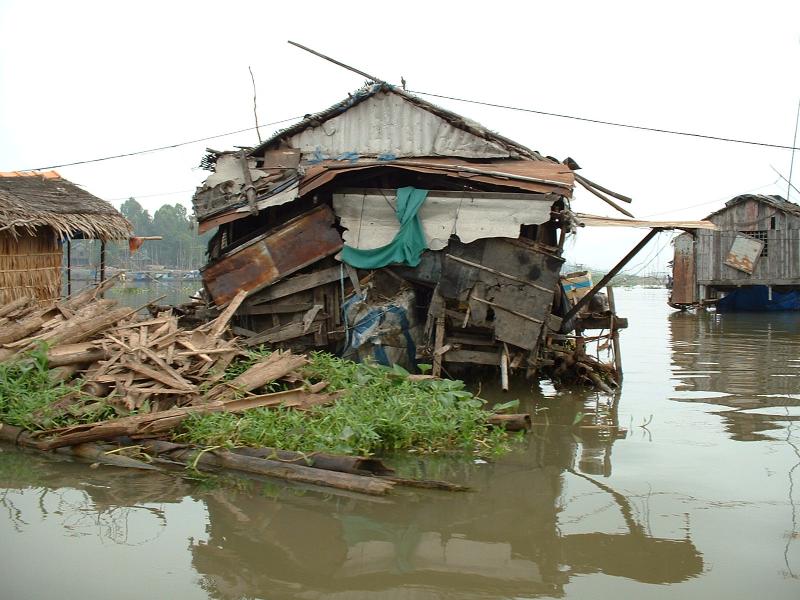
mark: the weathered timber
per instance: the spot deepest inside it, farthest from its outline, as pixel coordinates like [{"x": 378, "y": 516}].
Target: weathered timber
[
  {"x": 69, "y": 354},
  {"x": 274, "y": 255},
  {"x": 357, "y": 465},
  {"x": 15, "y": 305},
  {"x": 298, "y": 283},
  {"x": 157, "y": 423},
  {"x": 269, "y": 369},
  {"x": 270, "y": 468},
  {"x": 93, "y": 452},
  {"x": 512, "y": 422},
  {"x": 472, "y": 356}
]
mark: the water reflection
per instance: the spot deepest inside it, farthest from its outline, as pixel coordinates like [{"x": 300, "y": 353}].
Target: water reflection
[
  {"x": 746, "y": 362},
  {"x": 502, "y": 540},
  {"x": 265, "y": 540}
]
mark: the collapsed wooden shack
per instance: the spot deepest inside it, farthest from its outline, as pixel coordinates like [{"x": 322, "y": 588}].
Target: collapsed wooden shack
[
  {"x": 39, "y": 212},
  {"x": 321, "y": 225}
]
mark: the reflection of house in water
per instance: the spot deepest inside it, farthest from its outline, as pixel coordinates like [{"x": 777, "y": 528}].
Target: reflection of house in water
[
  {"x": 750, "y": 358},
  {"x": 502, "y": 540}
]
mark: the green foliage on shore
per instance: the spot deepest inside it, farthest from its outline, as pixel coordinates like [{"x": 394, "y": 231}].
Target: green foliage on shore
[
  {"x": 380, "y": 411},
  {"x": 28, "y": 396}
]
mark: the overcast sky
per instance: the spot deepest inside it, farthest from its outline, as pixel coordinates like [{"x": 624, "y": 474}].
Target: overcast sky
[{"x": 83, "y": 80}]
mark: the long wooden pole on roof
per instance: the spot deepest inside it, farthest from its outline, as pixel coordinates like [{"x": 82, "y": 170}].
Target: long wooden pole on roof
[{"x": 336, "y": 62}]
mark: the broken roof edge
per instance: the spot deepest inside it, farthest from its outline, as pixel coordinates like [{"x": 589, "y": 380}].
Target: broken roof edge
[
  {"x": 586, "y": 220},
  {"x": 775, "y": 201},
  {"x": 370, "y": 90}
]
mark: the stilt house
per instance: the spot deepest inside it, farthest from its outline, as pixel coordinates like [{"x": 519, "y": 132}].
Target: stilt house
[
  {"x": 751, "y": 262},
  {"x": 38, "y": 212},
  {"x": 390, "y": 227}
]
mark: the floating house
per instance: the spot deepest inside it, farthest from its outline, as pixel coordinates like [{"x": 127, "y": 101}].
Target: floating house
[
  {"x": 39, "y": 211},
  {"x": 751, "y": 261},
  {"x": 386, "y": 226}
]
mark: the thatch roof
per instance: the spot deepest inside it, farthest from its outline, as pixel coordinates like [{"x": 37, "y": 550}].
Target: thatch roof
[{"x": 32, "y": 200}]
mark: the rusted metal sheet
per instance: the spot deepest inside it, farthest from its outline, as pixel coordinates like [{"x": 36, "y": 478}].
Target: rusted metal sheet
[
  {"x": 273, "y": 255},
  {"x": 744, "y": 253},
  {"x": 683, "y": 271},
  {"x": 508, "y": 284},
  {"x": 526, "y": 175}
]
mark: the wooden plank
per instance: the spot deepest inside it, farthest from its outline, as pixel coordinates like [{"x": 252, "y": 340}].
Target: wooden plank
[
  {"x": 509, "y": 310},
  {"x": 498, "y": 273},
  {"x": 473, "y": 356},
  {"x": 296, "y": 284},
  {"x": 275, "y": 308}
]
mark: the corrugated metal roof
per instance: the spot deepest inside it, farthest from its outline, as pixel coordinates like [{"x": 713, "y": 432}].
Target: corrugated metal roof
[
  {"x": 467, "y": 126},
  {"x": 388, "y": 125}
]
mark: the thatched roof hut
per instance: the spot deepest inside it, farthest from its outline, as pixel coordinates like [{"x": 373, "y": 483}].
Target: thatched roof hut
[{"x": 37, "y": 212}]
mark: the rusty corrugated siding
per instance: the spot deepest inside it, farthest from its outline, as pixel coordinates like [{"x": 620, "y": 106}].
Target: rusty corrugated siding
[
  {"x": 276, "y": 254},
  {"x": 683, "y": 272}
]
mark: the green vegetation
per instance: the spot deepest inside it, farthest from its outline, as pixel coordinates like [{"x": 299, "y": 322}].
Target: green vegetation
[
  {"x": 28, "y": 396},
  {"x": 380, "y": 410}
]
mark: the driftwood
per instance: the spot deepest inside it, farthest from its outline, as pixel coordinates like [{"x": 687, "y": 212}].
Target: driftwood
[
  {"x": 357, "y": 465},
  {"x": 158, "y": 423},
  {"x": 269, "y": 369},
  {"x": 271, "y": 468},
  {"x": 513, "y": 422},
  {"x": 93, "y": 452}
]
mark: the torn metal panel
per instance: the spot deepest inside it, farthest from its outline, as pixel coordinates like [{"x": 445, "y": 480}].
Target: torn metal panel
[
  {"x": 744, "y": 253},
  {"x": 370, "y": 220},
  {"x": 509, "y": 285},
  {"x": 683, "y": 271},
  {"x": 273, "y": 255},
  {"x": 277, "y": 195},
  {"x": 597, "y": 221}
]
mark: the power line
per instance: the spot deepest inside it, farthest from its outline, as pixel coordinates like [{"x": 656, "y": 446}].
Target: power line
[
  {"x": 718, "y": 200},
  {"x": 479, "y": 102},
  {"x": 612, "y": 123},
  {"x": 178, "y": 145}
]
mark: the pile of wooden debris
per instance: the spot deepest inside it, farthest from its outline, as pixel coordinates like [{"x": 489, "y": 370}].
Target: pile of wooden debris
[{"x": 149, "y": 375}]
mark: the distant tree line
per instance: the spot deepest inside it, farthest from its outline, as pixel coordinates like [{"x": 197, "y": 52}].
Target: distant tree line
[{"x": 180, "y": 247}]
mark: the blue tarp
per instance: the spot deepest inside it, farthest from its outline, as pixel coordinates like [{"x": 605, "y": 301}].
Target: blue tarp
[{"x": 756, "y": 298}]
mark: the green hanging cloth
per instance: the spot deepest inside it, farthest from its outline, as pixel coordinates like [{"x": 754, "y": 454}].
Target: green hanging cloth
[{"x": 406, "y": 247}]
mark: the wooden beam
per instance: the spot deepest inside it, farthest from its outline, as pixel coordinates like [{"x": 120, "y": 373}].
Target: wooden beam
[
  {"x": 469, "y": 263},
  {"x": 611, "y": 274}
]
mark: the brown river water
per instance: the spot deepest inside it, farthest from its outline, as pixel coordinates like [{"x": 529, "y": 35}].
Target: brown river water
[{"x": 699, "y": 499}]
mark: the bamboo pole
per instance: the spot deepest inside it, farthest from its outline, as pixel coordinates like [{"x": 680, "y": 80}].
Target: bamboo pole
[{"x": 270, "y": 468}]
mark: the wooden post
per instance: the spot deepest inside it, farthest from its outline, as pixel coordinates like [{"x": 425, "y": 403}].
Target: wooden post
[
  {"x": 504, "y": 368},
  {"x": 437, "y": 346},
  {"x": 69, "y": 267},
  {"x": 102, "y": 261},
  {"x": 615, "y": 334},
  {"x": 610, "y": 275}
]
